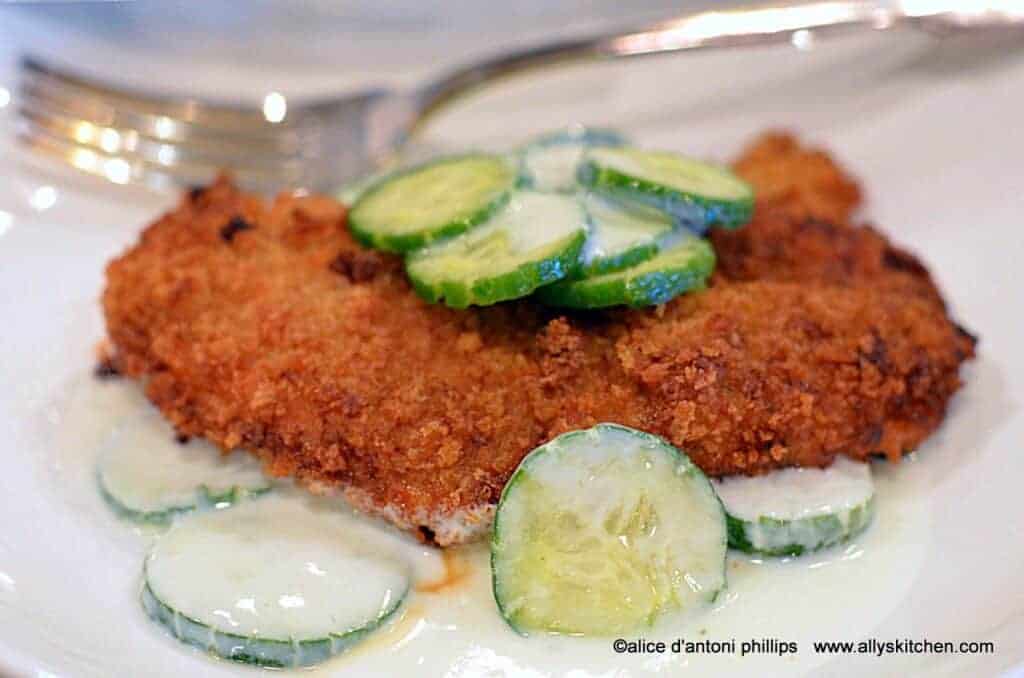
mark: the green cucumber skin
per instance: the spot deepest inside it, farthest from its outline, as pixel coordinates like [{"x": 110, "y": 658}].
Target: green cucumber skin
[
  {"x": 266, "y": 652},
  {"x": 647, "y": 289},
  {"x": 407, "y": 242},
  {"x": 159, "y": 518},
  {"x": 411, "y": 241},
  {"x": 627, "y": 259},
  {"x": 204, "y": 500},
  {"x": 652, "y": 289},
  {"x": 829, "y": 525},
  {"x": 511, "y": 285},
  {"x": 693, "y": 211},
  {"x": 692, "y": 470}
]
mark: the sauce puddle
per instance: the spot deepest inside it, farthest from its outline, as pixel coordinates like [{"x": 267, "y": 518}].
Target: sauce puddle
[{"x": 450, "y": 625}]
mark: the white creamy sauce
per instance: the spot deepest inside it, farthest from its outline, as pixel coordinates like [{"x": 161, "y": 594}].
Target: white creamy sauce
[
  {"x": 553, "y": 167},
  {"x": 530, "y": 223},
  {"x": 531, "y": 220},
  {"x": 449, "y": 625},
  {"x": 615, "y": 228},
  {"x": 795, "y": 493},
  {"x": 146, "y": 469}
]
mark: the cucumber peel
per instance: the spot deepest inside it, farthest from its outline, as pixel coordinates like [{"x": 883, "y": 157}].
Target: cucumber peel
[
  {"x": 621, "y": 234},
  {"x": 791, "y": 512},
  {"x": 682, "y": 266},
  {"x": 697, "y": 194},
  {"x": 144, "y": 475}
]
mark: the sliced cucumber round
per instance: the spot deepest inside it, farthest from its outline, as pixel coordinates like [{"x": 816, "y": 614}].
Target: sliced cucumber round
[
  {"x": 600, "y": 531},
  {"x": 683, "y": 265},
  {"x": 533, "y": 240},
  {"x": 621, "y": 234},
  {"x": 149, "y": 477},
  {"x": 551, "y": 162},
  {"x": 440, "y": 199},
  {"x": 795, "y": 511},
  {"x": 697, "y": 194},
  {"x": 271, "y": 582}
]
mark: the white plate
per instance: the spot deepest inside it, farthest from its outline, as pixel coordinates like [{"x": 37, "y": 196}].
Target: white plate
[{"x": 935, "y": 134}]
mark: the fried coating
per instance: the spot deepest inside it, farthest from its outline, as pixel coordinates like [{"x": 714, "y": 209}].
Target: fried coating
[{"x": 266, "y": 327}]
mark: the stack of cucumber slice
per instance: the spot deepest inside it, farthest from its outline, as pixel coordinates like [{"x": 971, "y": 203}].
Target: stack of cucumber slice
[{"x": 579, "y": 216}]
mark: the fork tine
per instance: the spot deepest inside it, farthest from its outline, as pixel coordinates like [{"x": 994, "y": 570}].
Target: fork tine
[
  {"x": 48, "y": 96},
  {"x": 112, "y": 140},
  {"x": 125, "y": 168},
  {"x": 223, "y": 117},
  {"x": 134, "y": 138}
]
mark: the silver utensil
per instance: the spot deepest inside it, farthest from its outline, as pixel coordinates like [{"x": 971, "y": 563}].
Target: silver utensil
[{"x": 161, "y": 142}]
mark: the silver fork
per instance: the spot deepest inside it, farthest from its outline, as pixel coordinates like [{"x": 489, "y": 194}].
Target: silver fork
[{"x": 130, "y": 137}]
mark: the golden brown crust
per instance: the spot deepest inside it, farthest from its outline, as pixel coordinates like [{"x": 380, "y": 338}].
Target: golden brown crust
[
  {"x": 803, "y": 182},
  {"x": 283, "y": 336}
]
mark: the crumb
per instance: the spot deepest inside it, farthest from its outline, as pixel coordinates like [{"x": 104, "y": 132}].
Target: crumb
[
  {"x": 106, "y": 368},
  {"x": 358, "y": 266},
  {"x": 427, "y": 535},
  {"x": 235, "y": 225}
]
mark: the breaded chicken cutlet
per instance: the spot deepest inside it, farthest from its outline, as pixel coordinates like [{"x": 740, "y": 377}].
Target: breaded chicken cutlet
[{"x": 266, "y": 327}]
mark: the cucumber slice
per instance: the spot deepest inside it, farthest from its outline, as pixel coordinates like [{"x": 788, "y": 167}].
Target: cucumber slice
[
  {"x": 271, "y": 582},
  {"x": 794, "y": 511},
  {"x": 621, "y": 234},
  {"x": 696, "y": 193},
  {"x": 534, "y": 240},
  {"x": 147, "y": 476},
  {"x": 550, "y": 163},
  {"x": 600, "y": 531},
  {"x": 442, "y": 198},
  {"x": 683, "y": 265}
]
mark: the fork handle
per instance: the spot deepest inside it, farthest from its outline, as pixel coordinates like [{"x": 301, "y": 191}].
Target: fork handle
[{"x": 758, "y": 25}]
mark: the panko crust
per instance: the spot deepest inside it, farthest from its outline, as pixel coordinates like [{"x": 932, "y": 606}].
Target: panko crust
[{"x": 266, "y": 327}]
